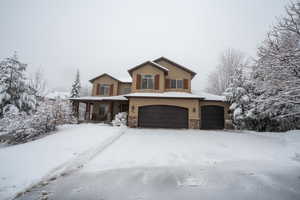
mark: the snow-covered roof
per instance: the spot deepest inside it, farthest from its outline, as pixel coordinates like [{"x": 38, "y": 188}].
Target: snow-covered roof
[
  {"x": 58, "y": 95},
  {"x": 166, "y": 95},
  {"x": 209, "y": 97},
  {"x": 181, "y": 95},
  {"x": 176, "y": 64},
  {"x": 150, "y": 63},
  {"x": 178, "y": 95},
  {"x": 100, "y": 98},
  {"x": 126, "y": 79},
  {"x": 158, "y": 65}
]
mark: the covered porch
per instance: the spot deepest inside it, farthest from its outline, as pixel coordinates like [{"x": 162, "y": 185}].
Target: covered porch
[{"x": 98, "y": 109}]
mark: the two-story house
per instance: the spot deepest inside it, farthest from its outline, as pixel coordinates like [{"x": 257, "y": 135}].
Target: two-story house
[{"x": 159, "y": 96}]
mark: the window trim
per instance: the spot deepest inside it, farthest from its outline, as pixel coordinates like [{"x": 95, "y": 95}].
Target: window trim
[
  {"x": 172, "y": 81},
  {"x": 106, "y": 89},
  {"x": 178, "y": 84},
  {"x": 143, "y": 77}
]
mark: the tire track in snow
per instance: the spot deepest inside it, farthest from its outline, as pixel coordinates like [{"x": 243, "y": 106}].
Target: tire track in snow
[
  {"x": 84, "y": 157},
  {"x": 76, "y": 163}
]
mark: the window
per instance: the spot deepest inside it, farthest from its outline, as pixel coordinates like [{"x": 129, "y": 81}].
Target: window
[
  {"x": 173, "y": 83},
  {"x": 179, "y": 83},
  {"x": 124, "y": 107},
  {"x": 126, "y": 91},
  {"x": 147, "y": 82},
  {"x": 176, "y": 83},
  {"x": 104, "y": 89}
]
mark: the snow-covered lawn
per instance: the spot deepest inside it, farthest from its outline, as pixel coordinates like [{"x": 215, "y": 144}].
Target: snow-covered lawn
[
  {"x": 26, "y": 164},
  {"x": 176, "y": 164},
  {"x": 161, "y": 147}
]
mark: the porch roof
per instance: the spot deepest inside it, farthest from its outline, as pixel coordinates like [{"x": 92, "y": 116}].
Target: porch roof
[{"x": 100, "y": 98}]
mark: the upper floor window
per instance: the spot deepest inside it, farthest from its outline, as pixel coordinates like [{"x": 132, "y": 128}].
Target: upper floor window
[
  {"x": 179, "y": 84},
  {"x": 176, "y": 83},
  {"x": 104, "y": 89},
  {"x": 147, "y": 81}
]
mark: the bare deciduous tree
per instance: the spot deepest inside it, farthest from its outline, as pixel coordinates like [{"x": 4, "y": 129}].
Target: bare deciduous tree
[
  {"x": 219, "y": 79},
  {"x": 38, "y": 83}
]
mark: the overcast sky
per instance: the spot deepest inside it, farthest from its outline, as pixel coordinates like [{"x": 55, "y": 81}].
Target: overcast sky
[{"x": 98, "y": 36}]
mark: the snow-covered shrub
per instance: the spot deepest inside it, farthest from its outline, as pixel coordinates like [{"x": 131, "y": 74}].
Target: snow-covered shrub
[
  {"x": 63, "y": 112},
  {"x": 20, "y": 127},
  {"x": 120, "y": 119}
]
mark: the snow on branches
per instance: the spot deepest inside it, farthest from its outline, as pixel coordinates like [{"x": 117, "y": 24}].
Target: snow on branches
[
  {"x": 269, "y": 100},
  {"x": 75, "y": 91},
  {"x": 14, "y": 88}
]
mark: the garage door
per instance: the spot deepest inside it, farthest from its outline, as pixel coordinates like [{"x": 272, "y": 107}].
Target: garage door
[
  {"x": 212, "y": 117},
  {"x": 162, "y": 116}
]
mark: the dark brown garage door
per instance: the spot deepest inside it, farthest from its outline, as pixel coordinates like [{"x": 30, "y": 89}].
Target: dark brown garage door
[
  {"x": 161, "y": 116},
  {"x": 212, "y": 117}
]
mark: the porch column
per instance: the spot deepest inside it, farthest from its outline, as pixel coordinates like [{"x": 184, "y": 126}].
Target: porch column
[
  {"x": 75, "y": 105},
  {"x": 111, "y": 111},
  {"x": 87, "y": 111}
]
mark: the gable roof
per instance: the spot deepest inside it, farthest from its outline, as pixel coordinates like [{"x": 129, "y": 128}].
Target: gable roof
[
  {"x": 158, "y": 66},
  {"x": 176, "y": 64},
  {"x": 105, "y": 74}
]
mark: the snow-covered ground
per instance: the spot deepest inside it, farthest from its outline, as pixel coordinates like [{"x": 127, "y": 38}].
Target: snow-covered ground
[
  {"x": 179, "y": 164},
  {"x": 26, "y": 164}
]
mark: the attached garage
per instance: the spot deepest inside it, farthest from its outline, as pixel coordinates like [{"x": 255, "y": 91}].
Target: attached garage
[
  {"x": 212, "y": 117},
  {"x": 162, "y": 116}
]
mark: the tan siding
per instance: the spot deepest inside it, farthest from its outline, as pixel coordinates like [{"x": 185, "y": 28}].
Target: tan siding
[
  {"x": 176, "y": 73},
  {"x": 122, "y": 86}
]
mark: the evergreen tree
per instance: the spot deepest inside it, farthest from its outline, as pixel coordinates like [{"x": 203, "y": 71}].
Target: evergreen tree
[
  {"x": 14, "y": 88},
  {"x": 75, "y": 91}
]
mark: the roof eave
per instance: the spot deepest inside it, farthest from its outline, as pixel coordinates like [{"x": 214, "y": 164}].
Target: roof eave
[
  {"x": 144, "y": 63},
  {"x": 176, "y": 64},
  {"x": 158, "y": 97}
]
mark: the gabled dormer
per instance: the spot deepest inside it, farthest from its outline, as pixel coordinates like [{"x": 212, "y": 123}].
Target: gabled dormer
[
  {"x": 148, "y": 77},
  {"x": 107, "y": 85}
]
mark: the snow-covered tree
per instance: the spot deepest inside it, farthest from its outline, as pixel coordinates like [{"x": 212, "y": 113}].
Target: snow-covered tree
[
  {"x": 277, "y": 75},
  {"x": 238, "y": 95},
  {"x": 14, "y": 87},
  {"x": 219, "y": 79},
  {"x": 75, "y": 91},
  {"x": 269, "y": 100}
]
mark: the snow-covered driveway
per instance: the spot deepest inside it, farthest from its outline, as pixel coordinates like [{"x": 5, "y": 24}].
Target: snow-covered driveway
[
  {"x": 26, "y": 164},
  {"x": 186, "y": 164}
]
